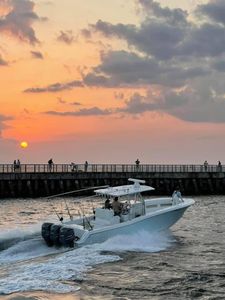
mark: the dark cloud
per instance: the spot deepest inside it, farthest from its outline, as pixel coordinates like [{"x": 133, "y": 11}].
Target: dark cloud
[
  {"x": 219, "y": 66},
  {"x": 93, "y": 111},
  {"x": 205, "y": 41},
  {"x": 215, "y": 10},
  {"x": 168, "y": 33},
  {"x": 121, "y": 68},
  {"x": 66, "y": 37},
  {"x": 152, "y": 37},
  {"x": 55, "y": 87},
  {"x": 188, "y": 105},
  {"x": 176, "y": 16},
  {"x": 19, "y": 19},
  {"x": 37, "y": 54},
  {"x": 170, "y": 50}
]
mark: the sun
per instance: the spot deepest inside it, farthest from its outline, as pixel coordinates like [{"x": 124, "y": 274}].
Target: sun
[{"x": 24, "y": 144}]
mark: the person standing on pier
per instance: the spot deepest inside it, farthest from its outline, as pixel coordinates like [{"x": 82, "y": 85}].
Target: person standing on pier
[
  {"x": 14, "y": 165},
  {"x": 137, "y": 162},
  {"x": 219, "y": 166},
  {"x": 205, "y": 165},
  {"x": 85, "y": 166},
  {"x": 18, "y": 164},
  {"x": 50, "y": 163}
]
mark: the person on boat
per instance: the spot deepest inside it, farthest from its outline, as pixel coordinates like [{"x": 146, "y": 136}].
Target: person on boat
[
  {"x": 117, "y": 206},
  {"x": 177, "y": 197},
  {"x": 108, "y": 205}
]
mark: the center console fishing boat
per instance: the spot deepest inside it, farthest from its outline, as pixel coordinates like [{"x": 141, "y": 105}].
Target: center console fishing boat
[{"x": 136, "y": 214}]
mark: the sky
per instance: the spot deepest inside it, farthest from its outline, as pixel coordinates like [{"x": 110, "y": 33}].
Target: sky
[{"x": 112, "y": 81}]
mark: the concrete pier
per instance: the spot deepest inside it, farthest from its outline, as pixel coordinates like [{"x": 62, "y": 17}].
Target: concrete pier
[{"x": 31, "y": 181}]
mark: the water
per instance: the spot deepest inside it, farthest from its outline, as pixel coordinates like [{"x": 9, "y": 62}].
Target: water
[{"x": 184, "y": 263}]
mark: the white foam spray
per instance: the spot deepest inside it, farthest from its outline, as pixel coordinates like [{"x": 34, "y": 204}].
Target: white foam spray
[{"x": 56, "y": 273}]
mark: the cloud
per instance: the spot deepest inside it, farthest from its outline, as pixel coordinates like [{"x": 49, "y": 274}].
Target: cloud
[
  {"x": 18, "y": 20},
  {"x": 55, "y": 87},
  {"x": 3, "y": 62},
  {"x": 188, "y": 105},
  {"x": 176, "y": 16},
  {"x": 167, "y": 34},
  {"x": 123, "y": 69},
  {"x": 3, "y": 126},
  {"x": 219, "y": 65},
  {"x": 66, "y": 37},
  {"x": 75, "y": 103},
  {"x": 37, "y": 54},
  {"x": 171, "y": 51},
  {"x": 93, "y": 111},
  {"x": 153, "y": 37},
  {"x": 62, "y": 101},
  {"x": 214, "y": 10}
]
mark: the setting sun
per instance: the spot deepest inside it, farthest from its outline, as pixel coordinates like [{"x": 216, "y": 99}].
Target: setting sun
[{"x": 23, "y": 144}]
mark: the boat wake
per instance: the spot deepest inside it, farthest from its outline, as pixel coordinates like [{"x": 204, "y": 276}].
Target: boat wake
[
  {"x": 12, "y": 236},
  {"x": 38, "y": 267},
  {"x": 140, "y": 242}
]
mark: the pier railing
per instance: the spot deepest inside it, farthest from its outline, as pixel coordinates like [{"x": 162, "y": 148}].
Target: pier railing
[{"x": 101, "y": 168}]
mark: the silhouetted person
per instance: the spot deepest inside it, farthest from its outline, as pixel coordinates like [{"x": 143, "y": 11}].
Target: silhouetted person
[
  {"x": 50, "y": 163},
  {"x": 205, "y": 165},
  {"x": 219, "y": 166},
  {"x": 117, "y": 206},
  {"x": 73, "y": 167},
  {"x": 18, "y": 164},
  {"x": 177, "y": 197},
  {"x": 137, "y": 162},
  {"x": 14, "y": 165},
  {"x": 108, "y": 205},
  {"x": 85, "y": 166}
]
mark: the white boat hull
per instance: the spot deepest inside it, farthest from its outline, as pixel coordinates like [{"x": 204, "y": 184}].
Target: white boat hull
[{"x": 152, "y": 222}]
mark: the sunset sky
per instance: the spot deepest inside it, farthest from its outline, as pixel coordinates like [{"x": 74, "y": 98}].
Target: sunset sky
[{"x": 112, "y": 81}]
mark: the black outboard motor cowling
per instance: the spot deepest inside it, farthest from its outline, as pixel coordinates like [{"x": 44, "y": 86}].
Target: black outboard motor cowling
[
  {"x": 54, "y": 234},
  {"x": 67, "y": 237}
]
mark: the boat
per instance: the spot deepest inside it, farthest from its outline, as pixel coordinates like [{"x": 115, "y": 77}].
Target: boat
[{"x": 138, "y": 213}]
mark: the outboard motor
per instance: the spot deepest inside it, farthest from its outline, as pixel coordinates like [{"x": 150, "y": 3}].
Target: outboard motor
[
  {"x": 45, "y": 232},
  {"x": 67, "y": 237},
  {"x": 54, "y": 234}
]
